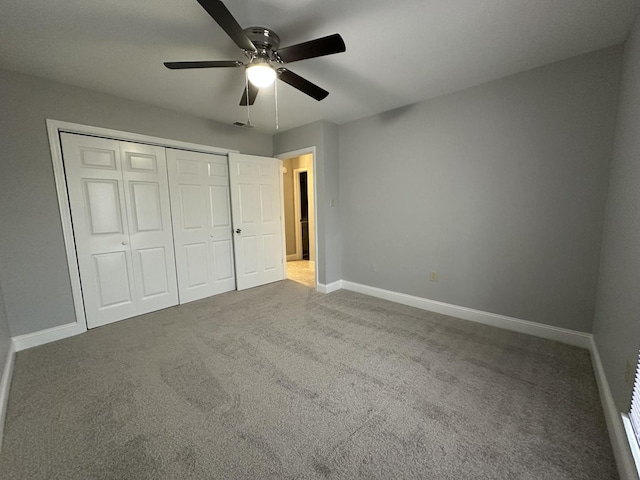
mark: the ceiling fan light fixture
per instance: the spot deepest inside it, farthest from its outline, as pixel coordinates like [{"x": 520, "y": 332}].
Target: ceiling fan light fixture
[
  {"x": 261, "y": 46},
  {"x": 261, "y": 74}
]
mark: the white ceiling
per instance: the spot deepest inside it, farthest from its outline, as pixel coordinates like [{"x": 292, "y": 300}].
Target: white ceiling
[{"x": 398, "y": 52}]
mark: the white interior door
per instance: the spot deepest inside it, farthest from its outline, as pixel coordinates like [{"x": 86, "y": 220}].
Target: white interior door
[
  {"x": 256, "y": 204},
  {"x": 118, "y": 196},
  {"x": 144, "y": 171},
  {"x": 199, "y": 187}
]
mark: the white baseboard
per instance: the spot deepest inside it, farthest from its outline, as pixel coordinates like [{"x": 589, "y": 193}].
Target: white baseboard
[
  {"x": 293, "y": 256},
  {"x": 624, "y": 459},
  {"x": 35, "y": 339},
  {"x": 22, "y": 342},
  {"x": 331, "y": 287},
  {"x": 617, "y": 435},
  {"x": 549, "y": 332},
  {"x": 5, "y": 385}
]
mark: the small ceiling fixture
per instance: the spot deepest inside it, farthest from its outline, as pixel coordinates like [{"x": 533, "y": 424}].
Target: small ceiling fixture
[{"x": 261, "y": 74}]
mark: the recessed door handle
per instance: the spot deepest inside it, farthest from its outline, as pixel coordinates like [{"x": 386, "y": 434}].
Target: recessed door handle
[{"x": 238, "y": 230}]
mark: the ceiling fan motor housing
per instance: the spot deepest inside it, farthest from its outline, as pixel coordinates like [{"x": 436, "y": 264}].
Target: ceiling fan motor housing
[{"x": 266, "y": 42}]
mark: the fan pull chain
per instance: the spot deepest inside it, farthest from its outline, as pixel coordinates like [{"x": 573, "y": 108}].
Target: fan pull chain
[
  {"x": 246, "y": 95},
  {"x": 275, "y": 88}
]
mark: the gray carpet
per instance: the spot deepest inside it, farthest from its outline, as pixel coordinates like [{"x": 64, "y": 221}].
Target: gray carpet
[{"x": 283, "y": 382}]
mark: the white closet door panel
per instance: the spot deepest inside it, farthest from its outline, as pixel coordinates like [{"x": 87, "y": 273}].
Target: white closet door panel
[
  {"x": 200, "y": 208},
  {"x": 271, "y": 250},
  {"x": 249, "y": 203},
  {"x": 269, "y": 211},
  {"x": 192, "y": 214},
  {"x": 197, "y": 270},
  {"x": 103, "y": 203},
  {"x": 223, "y": 258},
  {"x": 220, "y": 225},
  {"x": 249, "y": 250},
  {"x": 256, "y": 208},
  {"x": 146, "y": 186},
  {"x": 100, "y": 223},
  {"x": 220, "y": 209},
  {"x": 146, "y": 207},
  {"x": 111, "y": 269},
  {"x": 153, "y": 272}
]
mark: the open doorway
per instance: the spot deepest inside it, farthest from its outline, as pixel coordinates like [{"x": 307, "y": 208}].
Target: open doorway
[{"x": 299, "y": 218}]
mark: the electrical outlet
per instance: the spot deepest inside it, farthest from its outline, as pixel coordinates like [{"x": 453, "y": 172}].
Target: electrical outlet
[
  {"x": 374, "y": 267},
  {"x": 433, "y": 276},
  {"x": 629, "y": 372}
]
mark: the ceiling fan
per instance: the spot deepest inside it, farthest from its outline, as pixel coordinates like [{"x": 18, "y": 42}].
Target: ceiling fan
[{"x": 262, "y": 47}]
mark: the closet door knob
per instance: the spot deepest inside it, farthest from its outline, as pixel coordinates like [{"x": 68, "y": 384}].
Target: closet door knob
[
  {"x": 211, "y": 235},
  {"x": 238, "y": 230},
  {"x": 124, "y": 242}
]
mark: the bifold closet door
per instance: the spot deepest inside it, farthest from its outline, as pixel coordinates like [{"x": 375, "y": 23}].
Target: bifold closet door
[
  {"x": 146, "y": 186},
  {"x": 200, "y": 208},
  {"x": 119, "y": 199}
]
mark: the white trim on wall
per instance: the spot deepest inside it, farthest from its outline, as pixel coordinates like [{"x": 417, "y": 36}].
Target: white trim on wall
[
  {"x": 572, "y": 337},
  {"x": 54, "y": 128},
  {"x": 282, "y": 225},
  {"x": 5, "y": 385},
  {"x": 331, "y": 287},
  {"x": 58, "y": 125},
  {"x": 297, "y": 153},
  {"x": 631, "y": 440},
  {"x": 35, "y": 339},
  {"x": 617, "y": 435}
]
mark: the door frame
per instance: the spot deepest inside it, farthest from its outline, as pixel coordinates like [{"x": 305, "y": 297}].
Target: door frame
[
  {"x": 54, "y": 128},
  {"x": 297, "y": 153},
  {"x": 296, "y": 205}
]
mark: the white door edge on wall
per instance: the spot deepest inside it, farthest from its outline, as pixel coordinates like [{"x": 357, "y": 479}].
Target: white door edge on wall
[{"x": 54, "y": 128}]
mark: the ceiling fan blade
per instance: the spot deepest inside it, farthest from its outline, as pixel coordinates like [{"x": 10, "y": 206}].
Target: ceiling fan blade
[
  {"x": 313, "y": 48},
  {"x": 253, "y": 93},
  {"x": 204, "y": 64},
  {"x": 302, "y": 84},
  {"x": 223, "y": 17}
]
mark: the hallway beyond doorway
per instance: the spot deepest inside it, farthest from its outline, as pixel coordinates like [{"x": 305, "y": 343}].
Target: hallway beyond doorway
[{"x": 302, "y": 271}]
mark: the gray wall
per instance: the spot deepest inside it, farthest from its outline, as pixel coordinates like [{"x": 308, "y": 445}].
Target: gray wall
[
  {"x": 500, "y": 188},
  {"x": 324, "y": 136},
  {"x": 34, "y": 274},
  {"x": 617, "y": 320}
]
